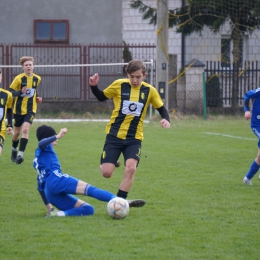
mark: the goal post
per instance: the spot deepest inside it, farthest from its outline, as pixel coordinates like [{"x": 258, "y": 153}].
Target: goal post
[{"x": 69, "y": 82}]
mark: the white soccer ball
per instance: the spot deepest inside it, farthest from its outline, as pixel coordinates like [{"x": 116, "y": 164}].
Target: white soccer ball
[{"x": 118, "y": 208}]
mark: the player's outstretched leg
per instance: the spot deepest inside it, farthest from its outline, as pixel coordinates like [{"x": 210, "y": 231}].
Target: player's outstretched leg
[
  {"x": 136, "y": 203},
  {"x": 98, "y": 194}
]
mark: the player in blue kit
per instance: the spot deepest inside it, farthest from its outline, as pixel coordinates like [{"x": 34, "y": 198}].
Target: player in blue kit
[
  {"x": 253, "y": 95},
  {"x": 55, "y": 187}
]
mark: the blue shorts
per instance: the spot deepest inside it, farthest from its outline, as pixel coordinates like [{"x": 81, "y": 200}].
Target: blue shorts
[
  {"x": 256, "y": 131},
  {"x": 58, "y": 188}
]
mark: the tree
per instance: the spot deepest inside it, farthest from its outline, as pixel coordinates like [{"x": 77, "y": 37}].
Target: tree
[{"x": 242, "y": 15}]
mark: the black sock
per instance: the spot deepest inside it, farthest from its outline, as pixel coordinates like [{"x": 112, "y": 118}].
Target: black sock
[
  {"x": 122, "y": 194},
  {"x": 23, "y": 144},
  {"x": 15, "y": 144}
]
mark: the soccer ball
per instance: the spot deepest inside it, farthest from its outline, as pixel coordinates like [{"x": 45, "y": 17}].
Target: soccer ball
[{"x": 118, "y": 208}]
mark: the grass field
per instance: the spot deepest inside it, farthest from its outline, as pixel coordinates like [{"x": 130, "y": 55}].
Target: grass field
[{"x": 190, "y": 175}]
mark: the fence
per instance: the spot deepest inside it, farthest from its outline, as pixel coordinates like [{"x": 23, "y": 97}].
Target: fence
[
  {"x": 221, "y": 87},
  {"x": 71, "y": 82}
]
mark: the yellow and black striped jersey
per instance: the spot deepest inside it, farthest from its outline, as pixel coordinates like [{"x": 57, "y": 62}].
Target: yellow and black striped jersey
[
  {"x": 6, "y": 101},
  {"x": 25, "y": 102},
  {"x": 130, "y": 107}
]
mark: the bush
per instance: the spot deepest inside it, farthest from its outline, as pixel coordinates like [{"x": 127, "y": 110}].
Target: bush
[{"x": 213, "y": 92}]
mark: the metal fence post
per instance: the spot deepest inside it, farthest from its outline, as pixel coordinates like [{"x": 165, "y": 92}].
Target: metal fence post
[{"x": 204, "y": 96}]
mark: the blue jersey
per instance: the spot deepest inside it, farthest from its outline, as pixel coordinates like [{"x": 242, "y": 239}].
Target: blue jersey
[
  {"x": 255, "y": 115},
  {"x": 46, "y": 161}
]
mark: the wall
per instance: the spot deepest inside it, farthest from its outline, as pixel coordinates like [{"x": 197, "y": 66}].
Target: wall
[
  {"x": 203, "y": 48},
  {"x": 98, "y": 21}
]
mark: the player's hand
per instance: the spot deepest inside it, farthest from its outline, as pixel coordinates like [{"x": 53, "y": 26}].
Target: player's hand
[
  {"x": 247, "y": 115},
  {"x": 165, "y": 123},
  {"x": 62, "y": 132},
  {"x": 24, "y": 89},
  {"x": 93, "y": 80},
  {"x": 39, "y": 100},
  {"x": 10, "y": 131}
]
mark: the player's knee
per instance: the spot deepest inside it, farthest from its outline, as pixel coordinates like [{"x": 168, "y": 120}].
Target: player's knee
[
  {"x": 25, "y": 131},
  {"x": 106, "y": 174},
  {"x": 130, "y": 170},
  {"x": 106, "y": 171},
  {"x": 88, "y": 210}
]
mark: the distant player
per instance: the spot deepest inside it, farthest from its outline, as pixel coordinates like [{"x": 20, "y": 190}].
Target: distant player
[
  {"x": 55, "y": 187},
  {"x": 24, "y": 90},
  {"x": 253, "y": 95},
  {"x": 5, "y": 113},
  {"x": 131, "y": 96}
]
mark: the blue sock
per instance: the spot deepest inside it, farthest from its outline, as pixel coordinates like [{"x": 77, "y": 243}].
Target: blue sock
[
  {"x": 84, "y": 210},
  {"x": 252, "y": 171},
  {"x": 98, "y": 194}
]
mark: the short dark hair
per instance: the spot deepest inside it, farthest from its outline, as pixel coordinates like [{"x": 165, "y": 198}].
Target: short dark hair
[{"x": 44, "y": 131}]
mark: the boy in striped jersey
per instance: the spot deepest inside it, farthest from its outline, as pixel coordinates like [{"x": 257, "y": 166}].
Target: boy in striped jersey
[
  {"x": 132, "y": 97},
  {"x": 24, "y": 90},
  {"x": 5, "y": 113}
]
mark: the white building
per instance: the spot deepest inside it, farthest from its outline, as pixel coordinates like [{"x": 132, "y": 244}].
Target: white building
[{"x": 207, "y": 47}]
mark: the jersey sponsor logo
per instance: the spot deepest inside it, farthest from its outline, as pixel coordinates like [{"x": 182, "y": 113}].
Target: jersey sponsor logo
[
  {"x": 143, "y": 96},
  {"x": 29, "y": 93},
  {"x": 132, "y": 108}
]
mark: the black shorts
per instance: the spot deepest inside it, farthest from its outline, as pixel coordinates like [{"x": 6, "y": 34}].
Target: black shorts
[
  {"x": 20, "y": 119},
  {"x": 131, "y": 149}
]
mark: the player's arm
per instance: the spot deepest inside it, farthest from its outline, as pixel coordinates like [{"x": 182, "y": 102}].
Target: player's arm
[
  {"x": 15, "y": 93},
  {"x": 163, "y": 113},
  {"x": 93, "y": 82},
  {"x": 43, "y": 196},
  {"x": 9, "y": 116},
  {"x": 15, "y": 88},
  {"x": 165, "y": 122},
  {"x": 251, "y": 94},
  {"x": 44, "y": 142},
  {"x": 99, "y": 94}
]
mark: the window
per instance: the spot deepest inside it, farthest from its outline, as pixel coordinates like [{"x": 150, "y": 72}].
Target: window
[
  {"x": 51, "y": 31},
  {"x": 226, "y": 51}
]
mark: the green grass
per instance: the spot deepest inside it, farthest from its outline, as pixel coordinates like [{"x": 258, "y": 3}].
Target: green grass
[{"x": 197, "y": 206}]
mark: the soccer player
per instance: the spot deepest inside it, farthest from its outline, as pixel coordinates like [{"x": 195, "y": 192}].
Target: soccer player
[
  {"x": 55, "y": 187},
  {"x": 5, "y": 112},
  {"x": 255, "y": 126},
  {"x": 24, "y": 90},
  {"x": 131, "y": 97}
]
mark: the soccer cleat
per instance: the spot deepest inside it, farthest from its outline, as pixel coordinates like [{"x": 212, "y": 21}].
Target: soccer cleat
[
  {"x": 52, "y": 213},
  {"x": 13, "y": 156},
  {"x": 136, "y": 203},
  {"x": 19, "y": 159},
  {"x": 247, "y": 181},
  {"x": 118, "y": 163}
]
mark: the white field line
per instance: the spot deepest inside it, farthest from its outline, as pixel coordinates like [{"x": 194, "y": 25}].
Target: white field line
[
  {"x": 75, "y": 120},
  {"x": 230, "y": 136}
]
